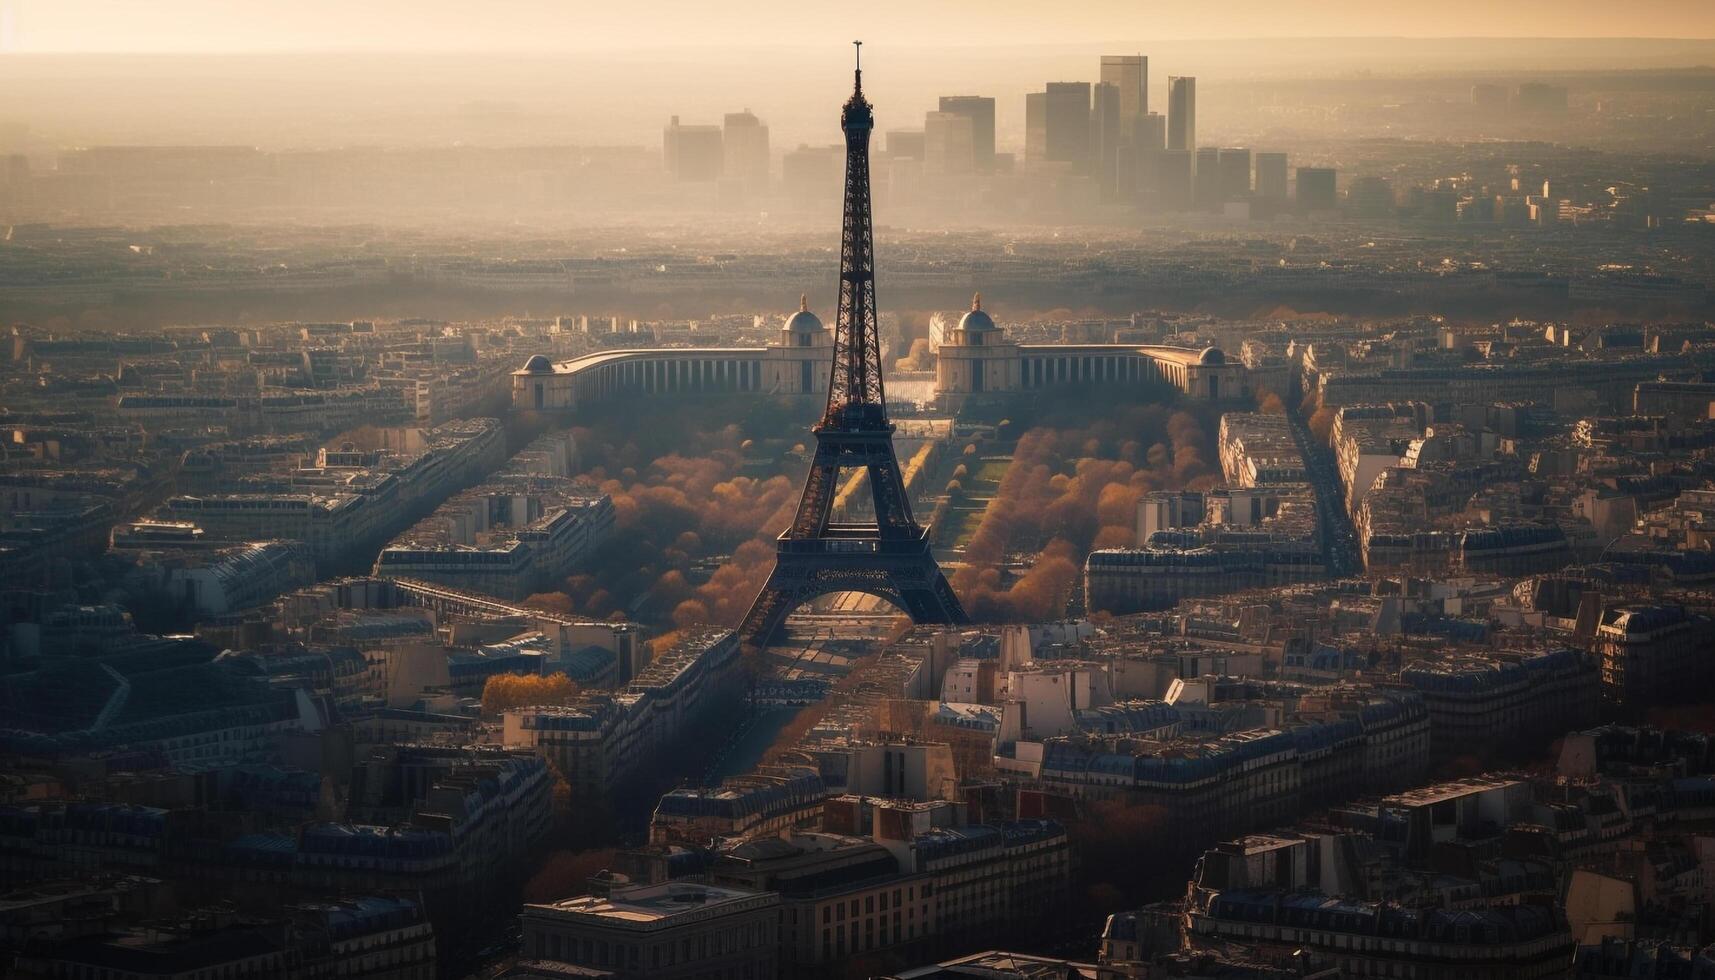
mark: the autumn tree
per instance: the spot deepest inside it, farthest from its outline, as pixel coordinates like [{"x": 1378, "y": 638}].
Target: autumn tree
[
  {"x": 557, "y": 603},
  {"x": 503, "y": 692},
  {"x": 1322, "y": 424},
  {"x": 664, "y": 642},
  {"x": 564, "y": 874},
  {"x": 1068, "y": 489},
  {"x": 919, "y": 358},
  {"x": 1121, "y": 849},
  {"x": 1684, "y": 717}
]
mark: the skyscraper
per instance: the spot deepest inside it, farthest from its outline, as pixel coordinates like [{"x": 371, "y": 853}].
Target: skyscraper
[
  {"x": 1206, "y": 174},
  {"x": 744, "y": 141},
  {"x": 1235, "y": 167},
  {"x": 1316, "y": 189},
  {"x": 1148, "y": 142},
  {"x": 905, "y": 143},
  {"x": 1067, "y": 117},
  {"x": 1129, "y": 74},
  {"x": 1173, "y": 179},
  {"x": 692, "y": 152},
  {"x": 1371, "y": 196},
  {"x": 1036, "y": 127},
  {"x": 949, "y": 143},
  {"x": 1271, "y": 176},
  {"x": 811, "y": 173},
  {"x": 1489, "y": 95},
  {"x": 980, "y": 110},
  {"x": 1181, "y": 113},
  {"x": 1105, "y": 139}
]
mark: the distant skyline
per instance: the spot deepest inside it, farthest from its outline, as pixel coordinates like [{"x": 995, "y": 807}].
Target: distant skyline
[{"x": 223, "y": 26}]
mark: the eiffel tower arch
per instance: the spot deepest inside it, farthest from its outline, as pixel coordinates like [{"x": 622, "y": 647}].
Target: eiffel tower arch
[{"x": 890, "y": 557}]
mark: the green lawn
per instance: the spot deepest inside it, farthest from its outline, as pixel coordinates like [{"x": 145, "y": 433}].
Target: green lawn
[
  {"x": 982, "y": 482},
  {"x": 968, "y": 522},
  {"x": 991, "y": 472}
]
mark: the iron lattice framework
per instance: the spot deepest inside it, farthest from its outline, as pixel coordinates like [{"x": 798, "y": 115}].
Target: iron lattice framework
[
  {"x": 856, "y": 382},
  {"x": 890, "y": 557}
]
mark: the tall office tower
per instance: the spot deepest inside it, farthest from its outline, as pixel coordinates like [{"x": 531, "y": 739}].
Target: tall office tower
[
  {"x": 1068, "y": 124},
  {"x": 1151, "y": 135},
  {"x": 1271, "y": 176},
  {"x": 1316, "y": 188},
  {"x": 1128, "y": 172},
  {"x": 744, "y": 141},
  {"x": 1173, "y": 179},
  {"x": 1235, "y": 165},
  {"x": 1371, "y": 196},
  {"x": 670, "y": 147},
  {"x": 1181, "y": 113},
  {"x": 1489, "y": 95},
  {"x": 905, "y": 143},
  {"x": 692, "y": 152},
  {"x": 1105, "y": 140},
  {"x": 1206, "y": 178},
  {"x": 1036, "y": 127},
  {"x": 902, "y": 179},
  {"x": 949, "y": 144},
  {"x": 811, "y": 173},
  {"x": 980, "y": 110},
  {"x": 1148, "y": 142},
  {"x": 1129, "y": 73}
]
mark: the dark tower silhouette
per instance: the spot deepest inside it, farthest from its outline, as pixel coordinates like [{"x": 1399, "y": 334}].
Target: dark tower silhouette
[{"x": 889, "y": 558}]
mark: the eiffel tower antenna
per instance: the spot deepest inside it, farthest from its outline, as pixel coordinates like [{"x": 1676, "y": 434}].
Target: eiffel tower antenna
[{"x": 889, "y": 557}]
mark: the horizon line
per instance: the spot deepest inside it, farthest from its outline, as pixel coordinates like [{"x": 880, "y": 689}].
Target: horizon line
[{"x": 905, "y": 45}]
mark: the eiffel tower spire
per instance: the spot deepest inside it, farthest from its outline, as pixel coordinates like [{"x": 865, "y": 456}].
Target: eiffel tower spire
[{"x": 817, "y": 555}]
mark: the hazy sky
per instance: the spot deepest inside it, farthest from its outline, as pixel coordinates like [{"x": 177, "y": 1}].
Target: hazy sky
[{"x": 289, "y": 25}]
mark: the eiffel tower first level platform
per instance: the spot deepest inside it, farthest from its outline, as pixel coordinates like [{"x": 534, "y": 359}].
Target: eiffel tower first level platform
[
  {"x": 889, "y": 558},
  {"x": 903, "y": 572}
]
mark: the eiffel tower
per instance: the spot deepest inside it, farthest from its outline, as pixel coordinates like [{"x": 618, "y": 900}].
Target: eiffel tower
[{"x": 889, "y": 558}]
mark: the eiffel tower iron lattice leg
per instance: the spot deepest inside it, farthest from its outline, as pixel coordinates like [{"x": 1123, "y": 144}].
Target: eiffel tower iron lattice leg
[{"x": 891, "y": 557}]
